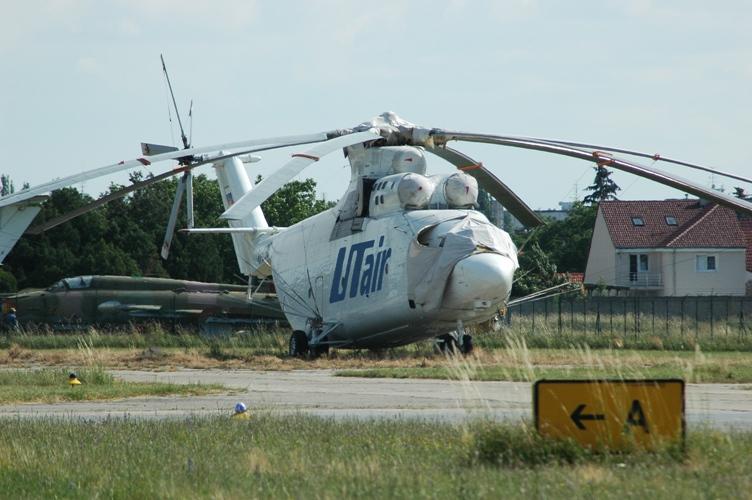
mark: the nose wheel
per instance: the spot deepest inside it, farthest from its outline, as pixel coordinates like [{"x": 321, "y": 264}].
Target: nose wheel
[
  {"x": 458, "y": 340},
  {"x": 300, "y": 347}
]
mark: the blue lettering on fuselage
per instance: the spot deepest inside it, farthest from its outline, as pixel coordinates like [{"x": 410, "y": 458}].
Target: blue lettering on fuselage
[{"x": 360, "y": 270}]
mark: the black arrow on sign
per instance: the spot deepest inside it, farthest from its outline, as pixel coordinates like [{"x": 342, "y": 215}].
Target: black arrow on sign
[{"x": 577, "y": 416}]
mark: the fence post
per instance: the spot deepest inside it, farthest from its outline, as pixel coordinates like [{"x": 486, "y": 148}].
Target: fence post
[
  {"x": 681, "y": 322},
  {"x": 571, "y": 314},
  {"x": 533, "y": 304},
  {"x": 697, "y": 317},
  {"x": 667, "y": 316},
  {"x": 598, "y": 317},
  {"x": 559, "y": 300},
  {"x": 652, "y": 317},
  {"x": 584, "y": 315},
  {"x": 711, "y": 317}
]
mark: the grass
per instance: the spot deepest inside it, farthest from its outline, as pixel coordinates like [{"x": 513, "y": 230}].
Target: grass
[
  {"x": 294, "y": 457},
  {"x": 518, "y": 363},
  {"x": 51, "y": 386}
]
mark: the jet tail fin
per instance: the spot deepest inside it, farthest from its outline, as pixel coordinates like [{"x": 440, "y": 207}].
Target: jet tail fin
[{"x": 14, "y": 220}]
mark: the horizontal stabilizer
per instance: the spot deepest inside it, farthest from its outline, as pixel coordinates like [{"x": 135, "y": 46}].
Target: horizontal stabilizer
[{"x": 232, "y": 230}]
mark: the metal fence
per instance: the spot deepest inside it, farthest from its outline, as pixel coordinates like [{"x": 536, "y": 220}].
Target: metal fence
[{"x": 710, "y": 315}]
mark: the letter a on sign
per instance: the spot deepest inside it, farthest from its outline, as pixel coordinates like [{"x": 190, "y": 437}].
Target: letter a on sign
[{"x": 636, "y": 416}]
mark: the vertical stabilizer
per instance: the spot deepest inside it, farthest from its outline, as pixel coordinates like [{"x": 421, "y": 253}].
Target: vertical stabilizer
[{"x": 233, "y": 184}]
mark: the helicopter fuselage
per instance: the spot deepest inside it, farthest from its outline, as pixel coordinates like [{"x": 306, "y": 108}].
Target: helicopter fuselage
[{"x": 363, "y": 288}]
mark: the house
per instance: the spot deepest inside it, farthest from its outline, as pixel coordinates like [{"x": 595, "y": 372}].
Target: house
[{"x": 669, "y": 248}]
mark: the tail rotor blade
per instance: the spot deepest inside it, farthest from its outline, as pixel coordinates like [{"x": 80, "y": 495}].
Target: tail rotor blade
[
  {"x": 172, "y": 222},
  {"x": 189, "y": 198},
  {"x": 492, "y": 184}
]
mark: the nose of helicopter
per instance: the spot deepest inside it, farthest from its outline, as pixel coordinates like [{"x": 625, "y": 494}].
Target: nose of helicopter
[{"x": 480, "y": 281}]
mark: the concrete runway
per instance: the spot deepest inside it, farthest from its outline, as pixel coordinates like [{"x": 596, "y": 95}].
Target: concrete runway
[{"x": 318, "y": 392}]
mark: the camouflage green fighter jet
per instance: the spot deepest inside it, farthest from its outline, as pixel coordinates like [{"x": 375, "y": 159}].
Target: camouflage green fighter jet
[{"x": 112, "y": 300}]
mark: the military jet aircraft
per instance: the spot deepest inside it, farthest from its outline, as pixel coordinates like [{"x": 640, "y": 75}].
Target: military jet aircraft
[
  {"x": 404, "y": 255},
  {"x": 111, "y": 300}
]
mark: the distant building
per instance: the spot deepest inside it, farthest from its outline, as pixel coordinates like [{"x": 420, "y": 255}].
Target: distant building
[
  {"x": 669, "y": 248},
  {"x": 510, "y": 224}
]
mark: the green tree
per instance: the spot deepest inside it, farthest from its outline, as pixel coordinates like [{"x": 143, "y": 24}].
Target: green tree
[
  {"x": 537, "y": 271},
  {"x": 124, "y": 237},
  {"x": 564, "y": 243},
  {"x": 294, "y": 202},
  {"x": 7, "y": 185},
  {"x": 603, "y": 187}
]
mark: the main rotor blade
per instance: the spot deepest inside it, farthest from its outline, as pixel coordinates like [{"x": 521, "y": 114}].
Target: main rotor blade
[
  {"x": 601, "y": 158},
  {"x": 267, "y": 187},
  {"x": 45, "y": 226},
  {"x": 492, "y": 184},
  {"x": 145, "y": 161},
  {"x": 654, "y": 156},
  {"x": 170, "y": 231}
]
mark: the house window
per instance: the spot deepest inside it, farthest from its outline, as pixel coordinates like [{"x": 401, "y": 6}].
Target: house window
[
  {"x": 638, "y": 263},
  {"x": 638, "y": 221},
  {"x": 707, "y": 263},
  {"x": 671, "y": 220}
]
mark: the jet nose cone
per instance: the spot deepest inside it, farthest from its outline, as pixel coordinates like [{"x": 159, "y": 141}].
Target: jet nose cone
[{"x": 480, "y": 281}]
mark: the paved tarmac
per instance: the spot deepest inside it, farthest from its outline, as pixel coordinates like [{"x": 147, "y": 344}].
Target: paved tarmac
[{"x": 319, "y": 392}]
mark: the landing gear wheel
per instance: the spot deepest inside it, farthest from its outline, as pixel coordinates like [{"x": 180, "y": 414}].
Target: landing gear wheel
[
  {"x": 298, "y": 344},
  {"x": 447, "y": 344},
  {"x": 316, "y": 351},
  {"x": 467, "y": 344}
]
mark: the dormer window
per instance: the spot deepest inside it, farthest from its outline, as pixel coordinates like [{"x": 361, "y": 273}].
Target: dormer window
[
  {"x": 671, "y": 220},
  {"x": 638, "y": 221}
]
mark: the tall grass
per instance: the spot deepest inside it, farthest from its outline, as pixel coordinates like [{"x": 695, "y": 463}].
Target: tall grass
[{"x": 304, "y": 457}]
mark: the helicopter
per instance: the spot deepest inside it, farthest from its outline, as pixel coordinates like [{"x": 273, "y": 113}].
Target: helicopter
[{"x": 404, "y": 255}]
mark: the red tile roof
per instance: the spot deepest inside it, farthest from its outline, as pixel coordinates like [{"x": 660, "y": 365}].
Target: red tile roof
[{"x": 697, "y": 225}]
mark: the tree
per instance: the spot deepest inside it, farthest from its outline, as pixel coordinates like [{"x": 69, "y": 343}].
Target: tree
[
  {"x": 294, "y": 202},
  {"x": 565, "y": 244},
  {"x": 537, "y": 272},
  {"x": 603, "y": 187},
  {"x": 6, "y": 185},
  {"x": 740, "y": 193},
  {"x": 124, "y": 237}
]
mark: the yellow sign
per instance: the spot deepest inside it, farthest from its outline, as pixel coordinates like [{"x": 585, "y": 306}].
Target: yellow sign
[{"x": 611, "y": 413}]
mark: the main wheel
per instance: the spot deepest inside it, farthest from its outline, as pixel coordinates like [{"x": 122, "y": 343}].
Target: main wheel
[
  {"x": 467, "y": 344},
  {"x": 298, "y": 344},
  {"x": 319, "y": 350}
]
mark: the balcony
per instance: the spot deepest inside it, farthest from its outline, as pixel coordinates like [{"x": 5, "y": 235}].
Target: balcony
[{"x": 640, "y": 280}]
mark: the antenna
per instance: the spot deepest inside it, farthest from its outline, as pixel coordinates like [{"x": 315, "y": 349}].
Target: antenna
[
  {"x": 186, "y": 145},
  {"x": 190, "y": 126}
]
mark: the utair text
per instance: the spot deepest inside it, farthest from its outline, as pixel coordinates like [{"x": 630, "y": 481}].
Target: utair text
[{"x": 364, "y": 272}]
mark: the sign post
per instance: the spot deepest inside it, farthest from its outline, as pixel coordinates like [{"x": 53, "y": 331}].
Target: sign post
[{"x": 614, "y": 414}]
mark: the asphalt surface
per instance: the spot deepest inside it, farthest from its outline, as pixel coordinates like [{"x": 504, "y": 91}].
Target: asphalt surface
[{"x": 319, "y": 392}]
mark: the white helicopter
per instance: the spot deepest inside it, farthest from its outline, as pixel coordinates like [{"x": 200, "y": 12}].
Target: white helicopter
[{"x": 403, "y": 256}]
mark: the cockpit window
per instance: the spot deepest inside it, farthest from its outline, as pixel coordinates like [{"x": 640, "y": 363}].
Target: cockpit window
[{"x": 78, "y": 282}]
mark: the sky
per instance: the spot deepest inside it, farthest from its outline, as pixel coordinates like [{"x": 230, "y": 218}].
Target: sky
[{"x": 81, "y": 83}]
